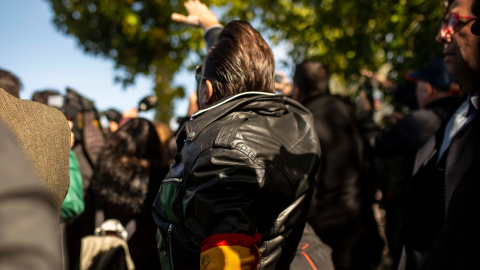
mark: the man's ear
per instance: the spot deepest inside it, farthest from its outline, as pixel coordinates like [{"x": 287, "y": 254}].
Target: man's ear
[
  {"x": 429, "y": 89},
  {"x": 207, "y": 94}
]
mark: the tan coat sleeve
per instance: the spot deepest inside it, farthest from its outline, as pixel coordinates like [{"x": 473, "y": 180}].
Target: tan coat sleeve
[{"x": 44, "y": 136}]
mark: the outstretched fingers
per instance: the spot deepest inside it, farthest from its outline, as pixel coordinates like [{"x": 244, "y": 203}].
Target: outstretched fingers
[
  {"x": 198, "y": 15},
  {"x": 180, "y": 18}
]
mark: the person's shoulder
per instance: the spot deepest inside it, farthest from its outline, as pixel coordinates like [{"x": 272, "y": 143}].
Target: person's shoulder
[
  {"x": 12, "y": 106},
  {"x": 32, "y": 115},
  {"x": 46, "y": 116},
  {"x": 332, "y": 108},
  {"x": 41, "y": 108},
  {"x": 322, "y": 102},
  {"x": 293, "y": 128}
]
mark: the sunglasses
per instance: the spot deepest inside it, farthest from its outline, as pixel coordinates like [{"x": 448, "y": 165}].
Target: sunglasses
[
  {"x": 450, "y": 23},
  {"x": 198, "y": 74}
]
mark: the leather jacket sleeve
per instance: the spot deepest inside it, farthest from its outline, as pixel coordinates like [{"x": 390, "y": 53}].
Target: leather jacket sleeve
[
  {"x": 219, "y": 204},
  {"x": 211, "y": 35}
]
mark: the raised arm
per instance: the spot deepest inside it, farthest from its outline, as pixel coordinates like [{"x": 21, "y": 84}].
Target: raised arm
[{"x": 199, "y": 15}]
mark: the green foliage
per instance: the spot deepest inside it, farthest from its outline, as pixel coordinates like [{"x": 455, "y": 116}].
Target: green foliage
[
  {"x": 349, "y": 35},
  {"x": 346, "y": 35},
  {"x": 138, "y": 35}
]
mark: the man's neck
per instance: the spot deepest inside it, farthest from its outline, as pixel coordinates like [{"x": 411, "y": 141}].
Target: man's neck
[{"x": 470, "y": 86}]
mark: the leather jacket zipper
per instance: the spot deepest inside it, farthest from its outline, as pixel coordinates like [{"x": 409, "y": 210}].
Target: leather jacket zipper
[
  {"x": 169, "y": 238},
  {"x": 170, "y": 180}
]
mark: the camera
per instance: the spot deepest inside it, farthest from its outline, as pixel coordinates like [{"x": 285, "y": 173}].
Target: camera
[{"x": 147, "y": 103}]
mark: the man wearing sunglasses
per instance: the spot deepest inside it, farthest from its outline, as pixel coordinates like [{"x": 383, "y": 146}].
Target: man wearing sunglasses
[
  {"x": 442, "y": 221},
  {"x": 238, "y": 192}
]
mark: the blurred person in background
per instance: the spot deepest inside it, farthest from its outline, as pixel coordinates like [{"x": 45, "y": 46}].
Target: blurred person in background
[
  {"x": 114, "y": 117},
  {"x": 166, "y": 136},
  {"x": 341, "y": 210},
  {"x": 10, "y": 83},
  {"x": 127, "y": 179},
  {"x": 437, "y": 99},
  {"x": 164, "y": 132},
  {"x": 43, "y": 96}
]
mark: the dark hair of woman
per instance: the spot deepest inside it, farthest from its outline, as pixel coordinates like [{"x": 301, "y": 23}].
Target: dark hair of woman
[{"x": 125, "y": 167}]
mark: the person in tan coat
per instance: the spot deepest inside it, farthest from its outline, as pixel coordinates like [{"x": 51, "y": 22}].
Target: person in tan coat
[
  {"x": 29, "y": 222},
  {"x": 44, "y": 136}
]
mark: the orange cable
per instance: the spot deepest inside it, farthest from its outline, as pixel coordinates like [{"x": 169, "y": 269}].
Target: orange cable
[{"x": 309, "y": 260}]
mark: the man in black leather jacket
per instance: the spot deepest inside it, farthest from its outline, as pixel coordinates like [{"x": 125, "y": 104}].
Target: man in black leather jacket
[{"x": 238, "y": 193}]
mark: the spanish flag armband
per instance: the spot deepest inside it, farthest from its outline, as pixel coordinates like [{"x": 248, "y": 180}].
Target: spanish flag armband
[{"x": 230, "y": 251}]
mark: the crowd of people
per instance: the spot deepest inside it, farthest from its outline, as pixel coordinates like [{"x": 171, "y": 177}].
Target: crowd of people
[{"x": 262, "y": 173}]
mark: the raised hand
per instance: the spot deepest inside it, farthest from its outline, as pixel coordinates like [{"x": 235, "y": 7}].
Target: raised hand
[{"x": 199, "y": 15}]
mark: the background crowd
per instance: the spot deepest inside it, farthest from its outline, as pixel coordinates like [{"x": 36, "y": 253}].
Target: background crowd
[{"x": 394, "y": 189}]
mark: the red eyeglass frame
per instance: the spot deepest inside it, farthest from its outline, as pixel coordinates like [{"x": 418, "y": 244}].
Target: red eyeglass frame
[{"x": 445, "y": 28}]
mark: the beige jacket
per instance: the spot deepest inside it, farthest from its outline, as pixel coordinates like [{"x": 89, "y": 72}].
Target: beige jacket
[{"x": 44, "y": 136}]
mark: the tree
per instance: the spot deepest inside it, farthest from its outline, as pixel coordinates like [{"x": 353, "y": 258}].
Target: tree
[
  {"x": 350, "y": 35},
  {"x": 346, "y": 35},
  {"x": 138, "y": 35}
]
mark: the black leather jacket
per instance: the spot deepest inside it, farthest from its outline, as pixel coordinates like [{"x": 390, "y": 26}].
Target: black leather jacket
[{"x": 247, "y": 166}]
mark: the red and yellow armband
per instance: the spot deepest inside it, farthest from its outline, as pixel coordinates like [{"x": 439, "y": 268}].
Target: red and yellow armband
[{"x": 230, "y": 251}]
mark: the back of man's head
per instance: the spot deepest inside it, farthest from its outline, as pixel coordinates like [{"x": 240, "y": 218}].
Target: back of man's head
[
  {"x": 10, "y": 83},
  {"x": 239, "y": 61},
  {"x": 311, "y": 77}
]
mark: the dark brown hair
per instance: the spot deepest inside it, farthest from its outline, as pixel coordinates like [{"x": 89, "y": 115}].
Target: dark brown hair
[
  {"x": 239, "y": 61},
  {"x": 311, "y": 77},
  {"x": 10, "y": 83},
  {"x": 476, "y": 8},
  {"x": 124, "y": 169}
]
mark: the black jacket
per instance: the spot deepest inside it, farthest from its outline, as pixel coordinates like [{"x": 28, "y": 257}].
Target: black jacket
[
  {"x": 244, "y": 166},
  {"x": 341, "y": 209},
  {"x": 441, "y": 225},
  {"x": 458, "y": 244}
]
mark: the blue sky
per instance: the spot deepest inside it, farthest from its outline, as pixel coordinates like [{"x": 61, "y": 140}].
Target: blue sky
[{"x": 42, "y": 57}]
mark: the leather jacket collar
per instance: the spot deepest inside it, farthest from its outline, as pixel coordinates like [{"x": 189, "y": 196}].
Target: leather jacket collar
[{"x": 246, "y": 100}]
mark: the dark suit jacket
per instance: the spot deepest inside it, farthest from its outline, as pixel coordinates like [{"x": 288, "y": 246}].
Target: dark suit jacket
[
  {"x": 441, "y": 221},
  {"x": 458, "y": 243},
  {"x": 44, "y": 136}
]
